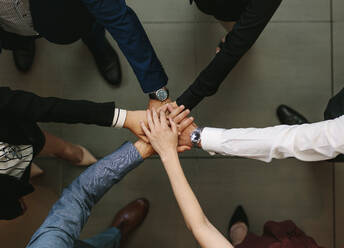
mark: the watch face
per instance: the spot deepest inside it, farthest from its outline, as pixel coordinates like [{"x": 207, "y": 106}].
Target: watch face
[
  {"x": 162, "y": 94},
  {"x": 195, "y": 137}
]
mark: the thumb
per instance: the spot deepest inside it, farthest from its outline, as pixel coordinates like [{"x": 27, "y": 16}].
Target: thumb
[{"x": 181, "y": 149}]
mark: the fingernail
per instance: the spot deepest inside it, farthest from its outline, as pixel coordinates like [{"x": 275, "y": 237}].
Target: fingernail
[{"x": 191, "y": 118}]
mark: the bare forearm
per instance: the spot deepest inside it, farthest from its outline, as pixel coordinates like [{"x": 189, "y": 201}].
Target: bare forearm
[
  {"x": 185, "y": 197},
  {"x": 204, "y": 232}
]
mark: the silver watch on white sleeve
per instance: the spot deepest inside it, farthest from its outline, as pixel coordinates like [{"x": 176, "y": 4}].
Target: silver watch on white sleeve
[{"x": 196, "y": 137}]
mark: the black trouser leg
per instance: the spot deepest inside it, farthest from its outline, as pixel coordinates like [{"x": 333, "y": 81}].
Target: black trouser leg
[
  {"x": 24, "y": 54},
  {"x": 105, "y": 56}
]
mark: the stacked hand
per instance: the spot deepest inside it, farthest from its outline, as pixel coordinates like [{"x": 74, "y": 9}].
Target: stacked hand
[
  {"x": 162, "y": 137},
  {"x": 186, "y": 127},
  {"x": 153, "y": 127}
]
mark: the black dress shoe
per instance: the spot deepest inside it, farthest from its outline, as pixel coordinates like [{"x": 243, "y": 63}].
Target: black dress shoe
[
  {"x": 107, "y": 62},
  {"x": 288, "y": 116},
  {"x": 238, "y": 216},
  {"x": 23, "y": 58}
]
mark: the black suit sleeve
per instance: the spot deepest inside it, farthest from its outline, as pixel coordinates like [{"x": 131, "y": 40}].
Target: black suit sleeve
[
  {"x": 244, "y": 34},
  {"x": 23, "y": 105}
]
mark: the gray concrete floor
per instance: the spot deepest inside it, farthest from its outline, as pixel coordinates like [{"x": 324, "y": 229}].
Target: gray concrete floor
[{"x": 297, "y": 60}]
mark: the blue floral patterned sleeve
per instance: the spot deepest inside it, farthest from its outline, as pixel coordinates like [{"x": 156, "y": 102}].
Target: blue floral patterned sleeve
[{"x": 70, "y": 213}]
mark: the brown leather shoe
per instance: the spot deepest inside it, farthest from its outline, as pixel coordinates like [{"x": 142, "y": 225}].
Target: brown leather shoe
[{"x": 131, "y": 216}]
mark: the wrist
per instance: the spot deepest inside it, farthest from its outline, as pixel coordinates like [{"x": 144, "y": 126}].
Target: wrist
[
  {"x": 168, "y": 155},
  {"x": 168, "y": 100},
  {"x": 144, "y": 149},
  {"x": 128, "y": 119}
]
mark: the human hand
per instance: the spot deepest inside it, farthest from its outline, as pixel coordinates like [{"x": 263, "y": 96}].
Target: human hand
[
  {"x": 132, "y": 122},
  {"x": 145, "y": 150},
  {"x": 157, "y": 104},
  {"x": 186, "y": 126},
  {"x": 164, "y": 139},
  {"x": 184, "y": 123}
]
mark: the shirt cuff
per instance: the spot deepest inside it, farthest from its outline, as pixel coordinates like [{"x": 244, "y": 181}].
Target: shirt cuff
[
  {"x": 211, "y": 139},
  {"x": 119, "y": 118}
]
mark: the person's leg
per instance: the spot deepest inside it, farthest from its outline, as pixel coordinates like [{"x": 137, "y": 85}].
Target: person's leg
[
  {"x": 105, "y": 56},
  {"x": 111, "y": 238},
  {"x": 60, "y": 148},
  {"x": 23, "y": 57},
  {"x": 126, "y": 220},
  {"x": 35, "y": 171},
  {"x": 22, "y": 47},
  {"x": 96, "y": 38}
]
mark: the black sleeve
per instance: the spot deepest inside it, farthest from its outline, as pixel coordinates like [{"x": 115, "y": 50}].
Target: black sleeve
[
  {"x": 27, "y": 106},
  {"x": 244, "y": 34}
]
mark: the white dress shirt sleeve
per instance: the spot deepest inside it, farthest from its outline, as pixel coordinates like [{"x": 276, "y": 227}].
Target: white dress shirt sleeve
[{"x": 308, "y": 142}]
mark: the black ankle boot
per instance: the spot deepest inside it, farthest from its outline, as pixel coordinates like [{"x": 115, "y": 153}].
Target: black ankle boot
[
  {"x": 23, "y": 58},
  {"x": 107, "y": 62}
]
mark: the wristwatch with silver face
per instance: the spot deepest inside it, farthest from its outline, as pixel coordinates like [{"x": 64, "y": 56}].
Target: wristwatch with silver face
[
  {"x": 161, "y": 94},
  {"x": 196, "y": 137}
]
